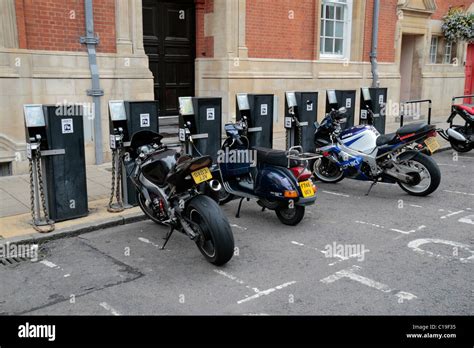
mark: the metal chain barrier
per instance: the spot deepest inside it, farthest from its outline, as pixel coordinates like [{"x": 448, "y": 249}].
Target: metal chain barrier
[
  {"x": 115, "y": 189},
  {"x": 46, "y": 225}
]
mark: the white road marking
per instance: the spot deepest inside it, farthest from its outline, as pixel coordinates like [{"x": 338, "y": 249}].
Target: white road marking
[
  {"x": 415, "y": 206},
  {"x": 107, "y": 307},
  {"x": 239, "y": 227},
  {"x": 419, "y": 228},
  {"x": 368, "y": 223},
  {"x": 451, "y": 165},
  {"x": 266, "y": 292},
  {"x": 67, "y": 275},
  {"x": 144, "y": 240},
  {"x": 50, "y": 264},
  {"x": 335, "y": 193},
  {"x": 235, "y": 279},
  {"x": 391, "y": 229},
  {"x": 459, "y": 192},
  {"x": 452, "y": 214},
  {"x": 415, "y": 245},
  {"x": 297, "y": 243},
  {"x": 467, "y": 219},
  {"x": 349, "y": 273},
  {"x": 340, "y": 257}
]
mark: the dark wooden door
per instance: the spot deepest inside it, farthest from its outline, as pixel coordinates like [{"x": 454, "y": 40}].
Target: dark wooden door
[{"x": 169, "y": 41}]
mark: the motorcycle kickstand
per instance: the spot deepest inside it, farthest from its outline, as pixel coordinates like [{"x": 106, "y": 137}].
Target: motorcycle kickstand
[
  {"x": 240, "y": 206},
  {"x": 371, "y": 186},
  {"x": 168, "y": 236}
]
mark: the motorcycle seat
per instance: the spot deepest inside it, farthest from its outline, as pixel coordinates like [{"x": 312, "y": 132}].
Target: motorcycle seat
[
  {"x": 467, "y": 108},
  {"x": 273, "y": 157},
  {"x": 419, "y": 127},
  {"x": 385, "y": 139}
]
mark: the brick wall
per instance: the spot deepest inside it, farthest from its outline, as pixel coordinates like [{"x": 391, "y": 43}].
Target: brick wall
[
  {"x": 444, "y": 5},
  {"x": 281, "y": 29},
  {"x": 387, "y": 26},
  {"x": 58, "y": 24},
  {"x": 204, "y": 44}
]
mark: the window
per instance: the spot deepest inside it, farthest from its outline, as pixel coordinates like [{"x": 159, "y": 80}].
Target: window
[
  {"x": 335, "y": 33},
  {"x": 433, "y": 49},
  {"x": 448, "y": 50}
]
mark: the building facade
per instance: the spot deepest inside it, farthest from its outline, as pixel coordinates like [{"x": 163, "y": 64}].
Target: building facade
[{"x": 153, "y": 49}]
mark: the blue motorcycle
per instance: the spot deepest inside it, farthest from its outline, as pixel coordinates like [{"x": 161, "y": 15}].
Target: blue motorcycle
[
  {"x": 361, "y": 153},
  {"x": 279, "y": 180}
]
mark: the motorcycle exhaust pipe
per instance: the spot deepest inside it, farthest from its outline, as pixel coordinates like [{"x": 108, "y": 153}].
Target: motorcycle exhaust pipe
[
  {"x": 215, "y": 185},
  {"x": 455, "y": 135}
]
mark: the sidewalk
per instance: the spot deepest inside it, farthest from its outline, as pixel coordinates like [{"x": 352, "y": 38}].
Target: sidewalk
[{"x": 15, "y": 214}]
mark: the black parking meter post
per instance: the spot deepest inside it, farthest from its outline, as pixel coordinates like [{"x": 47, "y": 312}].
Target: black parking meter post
[
  {"x": 375, "y": 100},
  {"x": 55, "y": 134},
  {"x": 258, "y": 108},
  {"x": 335, "y": 99},
  {"x": 200, "y": 120},
  {"x": 301, "y": 109},
  {"x": 126, "y": 118}
]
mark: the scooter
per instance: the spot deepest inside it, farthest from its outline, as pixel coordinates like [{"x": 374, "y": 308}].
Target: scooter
[
  {"x": 460, "y": 137},
  {"x": 166, "y": 183},
  {"x": 278, "y": 179},
  {"x": 361, "y": 153}
]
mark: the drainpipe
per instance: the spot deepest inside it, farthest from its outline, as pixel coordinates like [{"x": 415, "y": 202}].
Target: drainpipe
[
  {"x": 375, "y": 38},
  {"x": 91, "y": 41}
]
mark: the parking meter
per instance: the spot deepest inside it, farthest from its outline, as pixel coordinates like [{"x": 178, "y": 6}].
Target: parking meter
[
  {"x": 125, "y": 119},
  {"x": 335, "y": 99},
  {"x": 55, "y": 149},
  {"x": 372, "y": 107},
  {"x": 200, "y": 120},
  {"x": 301, "y": 110},
  {"x": 258, "y": 108}
]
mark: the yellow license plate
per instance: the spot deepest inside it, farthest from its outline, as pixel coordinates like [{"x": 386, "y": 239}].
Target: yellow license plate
[
  {"x": 432, "y": 144},
  {"x": 201, "y": 175},
  {"x": 307, "y": 188}
]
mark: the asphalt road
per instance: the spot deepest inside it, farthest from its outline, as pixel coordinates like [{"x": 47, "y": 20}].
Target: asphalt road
[{"x": 410, "y": 255}]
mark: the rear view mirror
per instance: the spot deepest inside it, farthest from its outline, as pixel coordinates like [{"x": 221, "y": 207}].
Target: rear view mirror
[{"x": 342, "y": 110}]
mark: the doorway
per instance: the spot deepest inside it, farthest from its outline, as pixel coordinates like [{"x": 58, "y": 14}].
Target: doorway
[
  {"x": 410, "y": 67},
  {"x": 169, "y": 40}
]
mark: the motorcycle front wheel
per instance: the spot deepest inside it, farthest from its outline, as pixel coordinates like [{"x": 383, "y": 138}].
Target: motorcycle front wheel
[
  {"x": 327, "y": 171},
  {"x": 427, "y": 173},
  {"x": 215, "y": 241}
]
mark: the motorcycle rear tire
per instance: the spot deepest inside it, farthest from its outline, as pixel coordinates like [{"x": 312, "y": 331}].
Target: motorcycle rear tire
[
  {"x": 435, "y": 174},
  {"x": 215, "y": 229}
]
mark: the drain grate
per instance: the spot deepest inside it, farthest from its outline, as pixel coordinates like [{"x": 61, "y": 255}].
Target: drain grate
[{"x": 9, "y": 261}]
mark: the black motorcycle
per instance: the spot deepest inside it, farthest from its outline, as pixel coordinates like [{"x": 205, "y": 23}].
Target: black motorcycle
[
  {"x": 461, "y": 137},
  {"x": 167, "y": 182}
]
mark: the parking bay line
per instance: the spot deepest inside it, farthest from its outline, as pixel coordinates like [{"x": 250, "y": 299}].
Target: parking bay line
[
  {"x": 335, "y": 255},
  {"x": 452, "y": 214},
  {"x": 258, "y": 293},
  {"x": 419, "y": 228},
  {"x": 350, "y": 273},
  {"x": 335, "y": 193},
  {"x": 107, "y": 307},
  {"x": 459, "y": 192}
]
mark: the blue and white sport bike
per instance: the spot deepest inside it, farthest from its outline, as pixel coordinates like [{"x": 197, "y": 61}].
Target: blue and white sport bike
[{"x": 361, "y": 153}]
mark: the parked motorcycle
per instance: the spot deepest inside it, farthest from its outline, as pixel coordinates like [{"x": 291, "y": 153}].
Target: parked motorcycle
[
  {"x": 278, "y": 179},
  {"x": 166, "y": 182},
  {"x": 460, "y": 137},
  {"x": 362, "y": 153}
]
